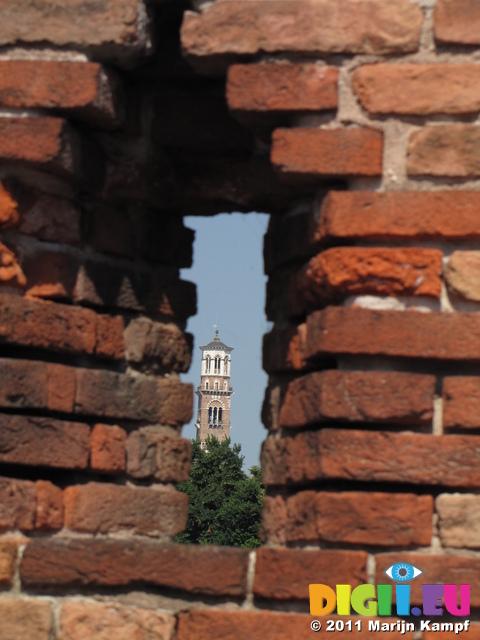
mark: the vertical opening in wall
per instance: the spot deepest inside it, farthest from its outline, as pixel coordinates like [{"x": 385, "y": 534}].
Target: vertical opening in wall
[{"x": 229, "y": 274}]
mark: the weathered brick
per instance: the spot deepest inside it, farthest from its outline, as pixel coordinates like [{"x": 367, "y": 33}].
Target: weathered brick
[
  {"x": 51, "y": 144},
  {"x": 438, "y": 569},
  {"x": 115, "y": 395},
  {"x": 158, "y": 452},
  {"x": 358, "y": 396},
  {"x": 111, "y": 29},
  {"x": 17, "y": 504},
  {"x": 285, "y": 574},
  {"x": 399, "y": 215},
  {"x": 284, "y": 349},
  {"x": 461, "y": 402},
  {"x": 8, "y": 559},
  {"x": 107, "y": 508},
  {"x": 274, "y": 26},
  {"x": 439, "y": 336},
  {"x": 60, "y": 388},
  {"x": 417, "y": 89},
  {"x": 343, "y": 271},
  {"x": 11, "y": 272},
  {"x": 309, "y": 153},
  {"x": 111, "y": 230},
  {"x": 32, "y": 441},
  {"x": 444, "y": 150},
  {"x": 46, "y": 325},
  {"x": 372, "y": 456},
  {"x": 107, "y": 449},
  {"x": 379, "y": 519},
  {"x": 458, "y": 520},
  {"x": 84, "y": 88},
  {"x": 109, "y": 337},
  {"x": 8, "y": 208},
  {"x": 196, "y": 569},
  {"x": 159, "y": 291},
  {"x": 282, "y": 87},
  {"x": 455, "y": 21},
  {"x": 274, "y": 520},
  {"x": 23, "y": 384},
  {"x": 49, "y": 506},
  {"x": 26, "y": 618},
  {"x": 49, "y": 274},
  {"x": 45, "y": 216},
  {"x": 80, "y": 620},
  {"x": 238, "y": 625},
  {"x": 461, "y": 275},
  {"x": 163, "y": 347}
]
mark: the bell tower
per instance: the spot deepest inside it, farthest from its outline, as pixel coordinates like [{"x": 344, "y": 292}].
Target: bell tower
[{"x": 214, "y": 392}]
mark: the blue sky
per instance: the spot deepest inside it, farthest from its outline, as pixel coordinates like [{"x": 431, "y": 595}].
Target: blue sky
[{"x": 228, "y": 271}]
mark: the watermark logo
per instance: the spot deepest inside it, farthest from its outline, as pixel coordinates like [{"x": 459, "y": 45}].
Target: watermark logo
[{"x": 377, "y": 600}]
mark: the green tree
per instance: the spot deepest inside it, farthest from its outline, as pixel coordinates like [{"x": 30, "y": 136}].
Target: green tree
[{"x": 225, "y": 504}]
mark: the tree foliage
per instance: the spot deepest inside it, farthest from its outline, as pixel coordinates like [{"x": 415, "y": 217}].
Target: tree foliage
[{"x": 225, "y": 504}]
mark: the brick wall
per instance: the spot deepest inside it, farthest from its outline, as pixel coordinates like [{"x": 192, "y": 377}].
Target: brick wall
[{"x": 355, "y": 125}]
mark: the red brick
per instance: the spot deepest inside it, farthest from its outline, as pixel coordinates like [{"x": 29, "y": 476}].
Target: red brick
[
  {"x": 49, "y": 507},
  {"x": 107, "y": 449},
  {"x": 461, "y": 275},
  {"x": 461, "y": 402},
  {"x": 444, "y": 150},
  {"x": 273, "y": 26},
  {"x": 17, "y": 504},
  {"x": 80, "y": 620},
  {"x": 274, "y": 520},
  {"x": 372, "y": 456},
  {"x": 358, "y": 396},
  {"x": 109, "y": 336},
  {"x": 46, "y": 325},
  {"x": 47, "y": 143},
  {"x": 83, "y": 87},
  {"x": 59, "y": 328},
  {"x": 43, "y": 442},
  {"x": 107, "y": 508},
  {"x": 438, "y": 569},
  {"x": 26, "y": 618},
  {"x": 100, "y": 562},
  {"x": 49, "y": 274},
  {"x": 158, "y": 452},
  {"x": 8, "y": 208},
  {"x": 282, "y": 87},
  {"x": 284, "y": 349},
  {"x": 238, "y": 625},
  {"x": 111, "y": 231},
  {"x": 158, "y": 346},
  {"x": 60, "y": 388},
  {"x": 23, "y": 384},
  {"x": 417, "y": 89},
  {"x": 439, "y": 336},
  {"x": 473, "y": 634},
  {"x": 115, "y": 28},
  {"x": 285, "y": 574},
  {"x": 327, "y": 152},
  {"x": 399, "y": 215},
  {"x": 11, "y": 272},
  {"x": 379, "y": 519},
  {"x": 344, "y": 271},
  {"x": 458, "y": 520},
  {"x": 8, "y": 559},
  {"x": 455, "y": 21},
  {"x": 115, "y": 395}
]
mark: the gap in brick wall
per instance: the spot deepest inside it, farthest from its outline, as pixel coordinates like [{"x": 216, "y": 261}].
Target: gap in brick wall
[{"x": 228, "y": 271}]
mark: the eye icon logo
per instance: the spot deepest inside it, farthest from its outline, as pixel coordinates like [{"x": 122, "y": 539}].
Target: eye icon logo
[{"x": 403, "y": 572}]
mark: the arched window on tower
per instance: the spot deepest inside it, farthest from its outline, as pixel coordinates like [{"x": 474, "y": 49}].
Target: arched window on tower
[
  {"x": 220, "y": 411},
  {"x": 206, "y": 384},
  {"x": 226, "y": 366},
  {"x": 215, "y": 415},
  {"x": 210, "y": 415}
]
